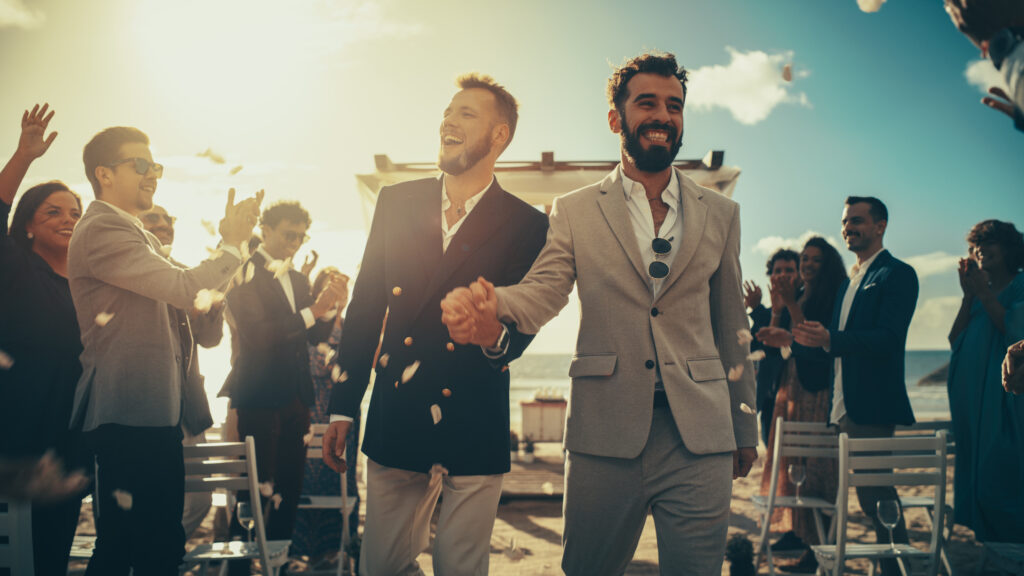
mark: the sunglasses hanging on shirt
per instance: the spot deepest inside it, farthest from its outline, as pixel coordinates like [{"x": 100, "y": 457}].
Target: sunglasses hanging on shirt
[{"x": 662, "y": 248}]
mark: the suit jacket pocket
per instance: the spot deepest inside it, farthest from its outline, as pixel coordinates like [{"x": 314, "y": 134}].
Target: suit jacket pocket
[
  {"x": 593, "y": 365},
  {"x": 706, "y": 369}
]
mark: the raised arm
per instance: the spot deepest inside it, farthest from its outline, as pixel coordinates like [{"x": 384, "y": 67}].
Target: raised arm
[{"x": 31, "y": 145}]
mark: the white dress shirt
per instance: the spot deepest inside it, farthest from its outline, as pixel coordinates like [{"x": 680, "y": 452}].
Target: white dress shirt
[
  {"x": 857, "y": 273},
  {"x": 289, "y": 292},
  {"x": 642, "y": 218},
  {"x": 447, "y": 233}
]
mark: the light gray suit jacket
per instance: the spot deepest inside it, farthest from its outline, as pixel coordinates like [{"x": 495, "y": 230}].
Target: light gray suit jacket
[
  {"x": 693, "y": 334},
  {"x": 132, "y": 368}
]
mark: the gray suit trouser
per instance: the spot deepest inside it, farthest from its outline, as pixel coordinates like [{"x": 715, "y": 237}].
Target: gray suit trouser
[{"x": 607, "y": 499}]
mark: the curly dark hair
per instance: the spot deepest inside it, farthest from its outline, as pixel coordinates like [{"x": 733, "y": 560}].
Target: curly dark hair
[
  {"x": 1003, "y": 234},
  {"x": 284, "y": 210},
  {"x": 782, "y": 254},
  {"x": 105, "y": 148},
  {"x": 30, "y": 201},
  {"x": 508, "y": 108},
  {"x": 821, "y": 296},
  {"x": 662, "y": 64}
]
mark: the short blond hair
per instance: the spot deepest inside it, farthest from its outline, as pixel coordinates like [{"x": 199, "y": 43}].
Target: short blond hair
[{"x": 508, "y": 108}]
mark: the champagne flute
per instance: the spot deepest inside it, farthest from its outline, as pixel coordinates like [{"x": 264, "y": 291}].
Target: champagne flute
[
  {"x": 243, "y": 512},
  {"x": 797, "y": 475},
  {"x": 889, "y": 516}
]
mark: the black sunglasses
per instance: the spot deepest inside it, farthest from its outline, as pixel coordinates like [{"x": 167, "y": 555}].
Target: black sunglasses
[
  {"x": 661, "y": 248},
  {"x": 141, "y": 166}
]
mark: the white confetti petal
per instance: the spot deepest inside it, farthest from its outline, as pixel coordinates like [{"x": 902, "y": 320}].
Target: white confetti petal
[
  {"x": 756, "y": 355},
  {"x": 250, "y": 271},
  {"x": 205, "y": 299},
  {"x": 307, "y": 439},
  {"x": 735, "y": 373},
  {"x": 410, "y": 371},
  {"x": 5, "y": 361},
  {"x": 279, "y": 267},
  {"x": 384, "y": 360},
  {"x": 435, "y": 413},
  {"x": 746, "y": 409},
  {"x": 337, "y": 375},
  {"x": 124, "y": 499},
  {"x": 165, "y": 250},
  {"x": 547, "y": 488},
  {"x": 744, "y": 337},
  {"x": 276, "y": 500},
  {"x": 266, "y": 489},
  {"x": 214, "y": 253},
  {"x": 786, "y": 351},
  {"x": 236, "y": 170},
  {"x": 323, "y": 348},
  {"x": 103, "y": 318},
  {"x": 210, "y": 228}
]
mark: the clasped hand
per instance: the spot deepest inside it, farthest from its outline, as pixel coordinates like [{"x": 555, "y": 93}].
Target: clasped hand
[{"x": 471, "y": 314}]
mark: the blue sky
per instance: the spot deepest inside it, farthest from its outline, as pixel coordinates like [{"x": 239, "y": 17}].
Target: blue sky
[{"x": 303, "y": 94}]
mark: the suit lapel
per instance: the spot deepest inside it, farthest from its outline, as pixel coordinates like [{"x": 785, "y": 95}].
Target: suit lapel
[
  {"x": 837, "y": 308},
  {"x": 869, "y": 279},
  {"x": 479, "y": 226},
  {"x": 613, "y": 206},
  {"x": 424, "y": 234},
  {"x": 260, "y": 261},
  {"x": 695, "y": 218}
]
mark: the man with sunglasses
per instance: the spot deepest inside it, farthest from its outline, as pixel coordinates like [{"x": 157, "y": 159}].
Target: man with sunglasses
[
  {"x": 653, "y": 422},
  {"x": 270, "y": 383},
  {"x": 137, "y": 357}
]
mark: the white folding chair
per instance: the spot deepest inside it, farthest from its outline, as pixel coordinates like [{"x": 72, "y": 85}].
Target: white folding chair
[
  {"x": 231, "y": 466},
  {"x": 342, "y": 503},
  {"x": 928, "y": 429},
  {"x": 794, "y": 440},
  {"x": 16, "y": 537},
  {"x": 887, "y": 462}
]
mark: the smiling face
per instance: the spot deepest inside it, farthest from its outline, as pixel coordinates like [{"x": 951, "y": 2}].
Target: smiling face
[
  {"x": 53, "y": 222},
  {"x": 124, "y": 187},
  {"x": 860, "y": 230},
  {"x": 650, "y": 121},
  {"x": 990, "y": 257},
  {"x": 468, "y": 130},
  {"x": 159, "y": 223},
  {"x": 784, "y": 269},
  {"x": 811, "y": 261},
  {"x": 285, "y": 239}
]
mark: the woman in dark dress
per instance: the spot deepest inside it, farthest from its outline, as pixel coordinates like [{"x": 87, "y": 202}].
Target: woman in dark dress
[{"x": 40, "y": 338}]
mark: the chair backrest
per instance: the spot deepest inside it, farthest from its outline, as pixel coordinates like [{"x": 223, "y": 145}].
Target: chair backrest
[
  {"x": 229, "y": 466},
  {"x": 800, "y": 440},
  {"x": 16, "y": 537},
  {"x": 897, "y": 461},
  {"x": 928, "y": 428}
]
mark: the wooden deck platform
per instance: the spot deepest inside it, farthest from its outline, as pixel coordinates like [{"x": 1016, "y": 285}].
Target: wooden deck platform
[{"x": 542, "y": 479}]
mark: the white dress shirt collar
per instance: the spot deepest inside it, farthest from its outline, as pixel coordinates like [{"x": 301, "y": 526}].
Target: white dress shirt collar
[{"x": 133, "y": 219}]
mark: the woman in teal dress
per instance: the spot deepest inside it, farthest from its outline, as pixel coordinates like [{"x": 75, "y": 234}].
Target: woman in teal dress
[{"x": 988, "y": 422}]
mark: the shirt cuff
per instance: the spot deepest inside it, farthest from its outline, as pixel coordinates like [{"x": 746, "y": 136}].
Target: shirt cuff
[
  {"x": 495, "y": 353},
  {"x": 340, "y": 418},
  {"x": 233, "y": 250},
  {"x": 307, "y": 317}
]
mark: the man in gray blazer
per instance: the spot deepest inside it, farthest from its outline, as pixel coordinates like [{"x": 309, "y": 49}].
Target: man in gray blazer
[
  {"x": 653, "y": 422},
  {"x": 130, "y": 301}
]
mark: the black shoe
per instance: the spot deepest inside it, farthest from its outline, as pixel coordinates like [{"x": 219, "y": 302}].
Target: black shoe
[
  {"x": 807, "y": 564},
  {"x": 789, "y": 542}
]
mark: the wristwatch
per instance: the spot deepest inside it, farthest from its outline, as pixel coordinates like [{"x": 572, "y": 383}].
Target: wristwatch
[{"x": 503, "y": 340}]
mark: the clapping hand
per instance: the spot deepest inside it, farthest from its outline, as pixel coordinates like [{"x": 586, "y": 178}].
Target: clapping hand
[
  {"x": 774, "y": 336},
  {"x": 32, "y": 145},
  {"x": 973, "y": 280},
  {"x": 1013, "y": 368},
  {"x": 239, "y": 219},
  {"x": 471, "y": 314},
  {"x": 309, "y": 263},
  {"x": 784, "y": 288},
  {"x": 751, "y": 294},
  {"x": 812, "y": 334}
]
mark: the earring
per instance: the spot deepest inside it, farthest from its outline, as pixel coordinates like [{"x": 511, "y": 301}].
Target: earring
[{"x": 30, "y": 235}]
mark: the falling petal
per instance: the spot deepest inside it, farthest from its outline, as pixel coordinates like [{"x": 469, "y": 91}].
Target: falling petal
[
  {"x": 744, "y": 337},
  {"x": 435, "y": 413},
  {"x": 384, "y": 360},
  {"x": 124, "y": 499},
  {"x": 323, "y": 348},
  {"x": 335, "y": 373},
  {"x": 547, "y": 488},
  {"x": 205, "y": 299},
  {"x": 250, "y": 271},
  {"x": 787, "y": 72},
  {"x": 276, "y": 501},
  {"x": 266, "y": 489},
  {"x": 103, "y": 318},
  {"x": 308, "y": 438},
  {"x": 870, "y": 6},
  {"x": 210, "y": 228},
  {"x": 410, "y": 371},
  {"x": 756, "y": 355},
  {"x": 746, "y": 409},
  {"x": 786, "y": 351},
  {"x": 735, "y": 373},
  {"x": 5, "y": 361},
  {"x": 236, "y": 170},
  {"x": 279, "y": 267},
  {"x": 397, "y": 290},
  {"x": 213, "y": 156},
  {"x": 165, "y": 251}
]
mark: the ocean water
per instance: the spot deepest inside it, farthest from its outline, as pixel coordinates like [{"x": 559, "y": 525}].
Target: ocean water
[{"x": 534, "y": 372}]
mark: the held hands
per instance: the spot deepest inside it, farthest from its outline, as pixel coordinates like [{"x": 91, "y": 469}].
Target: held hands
[
  {"x": 471, "y": 314},
  {"x": 31, "y": 145},
  {"x": 1013, "y": 369},
  {"x": 742, "y": 461},
  {"x": 751, "y": 295},
  {"x": 334, "y": 445},
  {"x": 239, "y": 219},
  {"x": 812, "y": 334}
]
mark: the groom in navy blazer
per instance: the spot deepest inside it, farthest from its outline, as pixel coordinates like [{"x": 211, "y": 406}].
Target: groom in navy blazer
[{"x": 868, "y": 339}]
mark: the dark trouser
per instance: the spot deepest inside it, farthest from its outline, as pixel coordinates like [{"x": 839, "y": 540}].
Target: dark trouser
[
  {"x": 145, "y": 463},
  {"x": 869, "y": 496},
  {"x": 53, "y": 530}
]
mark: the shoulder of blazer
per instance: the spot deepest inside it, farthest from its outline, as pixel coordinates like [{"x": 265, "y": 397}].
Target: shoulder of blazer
[{"x": 712, "y": 199}]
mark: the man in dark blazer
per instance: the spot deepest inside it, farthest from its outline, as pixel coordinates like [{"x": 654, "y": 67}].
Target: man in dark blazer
[
  {"x": 439, "y": 413},
  {"x": 270, "y": 384},
  {"x": 136, "y": 361},
  {"x": 868, "y": 338}
]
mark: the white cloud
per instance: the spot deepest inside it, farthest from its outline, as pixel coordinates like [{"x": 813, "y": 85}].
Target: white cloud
[
  {"x": 870, "y": 5},
  {"x": 749, "y": 87},
  {"x": 983, "y": 75},
  {"x": 769, "y": 244},
  {"x": 14, "y": 14},
  {"x": 933, "y": 263},
  {"x": 932, "y": 322},
  {"x": 346, "y": 23}
]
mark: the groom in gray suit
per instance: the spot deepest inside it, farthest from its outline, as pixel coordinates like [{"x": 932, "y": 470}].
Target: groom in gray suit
[
  {"x": 136, "y": 362},
  {"x": 653, "y": 422}
]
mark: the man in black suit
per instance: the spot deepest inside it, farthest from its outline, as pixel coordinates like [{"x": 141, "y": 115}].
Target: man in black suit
[
  {"x": 439, "y": 412},
  {"x": 270, "y": 384},
  {"x": 868, "y": 338}
]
